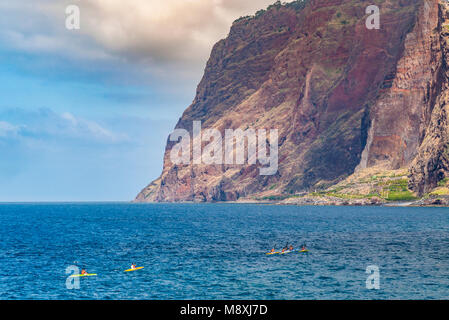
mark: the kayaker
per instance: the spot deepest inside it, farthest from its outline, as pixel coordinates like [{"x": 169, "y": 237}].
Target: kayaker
[
  {"x": 272, "y": 250},
  {"x": 291, "y": 248},
  {"x": 133, "y": 266},
  {"x": 304, "y": 247},
  {"x": 83, "y": 271}
]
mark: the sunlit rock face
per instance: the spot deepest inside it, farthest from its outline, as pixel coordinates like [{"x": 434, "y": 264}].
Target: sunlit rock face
[{"x": 341, "y": 96}]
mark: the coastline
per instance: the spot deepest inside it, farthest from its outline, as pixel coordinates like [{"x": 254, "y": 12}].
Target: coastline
[{"x": 321, "y": 201}]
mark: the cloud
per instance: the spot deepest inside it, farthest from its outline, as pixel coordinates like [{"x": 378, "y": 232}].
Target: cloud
[
  {"x": 7, "y": 129},
  {"x": 49, "y": 126},
  {"x": 156, "y": 34},
  {"x": 79, "y": 127},
  {"x": 51, "y": 44}
]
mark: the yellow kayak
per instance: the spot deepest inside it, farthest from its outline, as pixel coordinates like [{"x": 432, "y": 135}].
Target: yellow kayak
[
  {"x": 129, "y": 270},
  {"x": 299, "y": 251},
  {"x": 84, "y": 275},
  {"x": 285, "y": 252}
]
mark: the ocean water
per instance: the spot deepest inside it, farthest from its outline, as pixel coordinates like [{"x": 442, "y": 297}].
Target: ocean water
[{"x": 217, "y": 251}]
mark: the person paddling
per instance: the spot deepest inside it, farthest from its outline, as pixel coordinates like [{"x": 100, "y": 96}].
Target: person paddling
[
  {"x": 83, "y": 272},
  {"x": 291, "y": 247},
  {"x": 133, "y": 266}
]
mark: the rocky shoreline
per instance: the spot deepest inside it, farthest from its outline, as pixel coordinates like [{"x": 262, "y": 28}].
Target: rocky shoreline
[{"x": 333, "y": 201}]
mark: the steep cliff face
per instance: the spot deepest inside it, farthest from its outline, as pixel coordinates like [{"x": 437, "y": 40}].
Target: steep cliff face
[
  {"x": 340, "y": 95},
  {"x": 401, "y": 114},
  {"x": 431, "y": 164}
]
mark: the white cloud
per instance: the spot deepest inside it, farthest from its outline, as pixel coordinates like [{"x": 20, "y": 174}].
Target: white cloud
[
  {"x": 47, "y": 44},
  {"x": 47, "y": 125},
  {"x": 82, "y": 128}
]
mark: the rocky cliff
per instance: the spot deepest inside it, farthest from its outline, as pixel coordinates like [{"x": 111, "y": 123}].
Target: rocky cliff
[
  {"x": 343, "y": 98},
  {"x": 431, "y": 165}
]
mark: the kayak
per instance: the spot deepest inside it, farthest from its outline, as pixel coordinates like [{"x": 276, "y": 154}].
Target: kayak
[
  {"x": 129, "y": 270},
  {"x": 83, "y": 275},
  {"x": 288, "y": 251},
  {"x": 285, "y": 252},
  {"x": 299, "y": 251}
]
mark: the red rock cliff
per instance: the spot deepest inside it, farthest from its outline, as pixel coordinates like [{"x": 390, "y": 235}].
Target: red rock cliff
[{"x": 341, "y": 96}]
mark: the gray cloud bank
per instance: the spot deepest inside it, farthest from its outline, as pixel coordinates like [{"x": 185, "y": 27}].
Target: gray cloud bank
[{"x": 157, "y": 35}]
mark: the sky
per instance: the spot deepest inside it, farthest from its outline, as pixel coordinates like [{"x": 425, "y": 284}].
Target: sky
[{"x": 85, "y": 113}]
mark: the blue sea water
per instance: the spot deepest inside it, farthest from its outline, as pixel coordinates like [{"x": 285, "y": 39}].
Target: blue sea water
[{"x": 217, "y": 251}]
